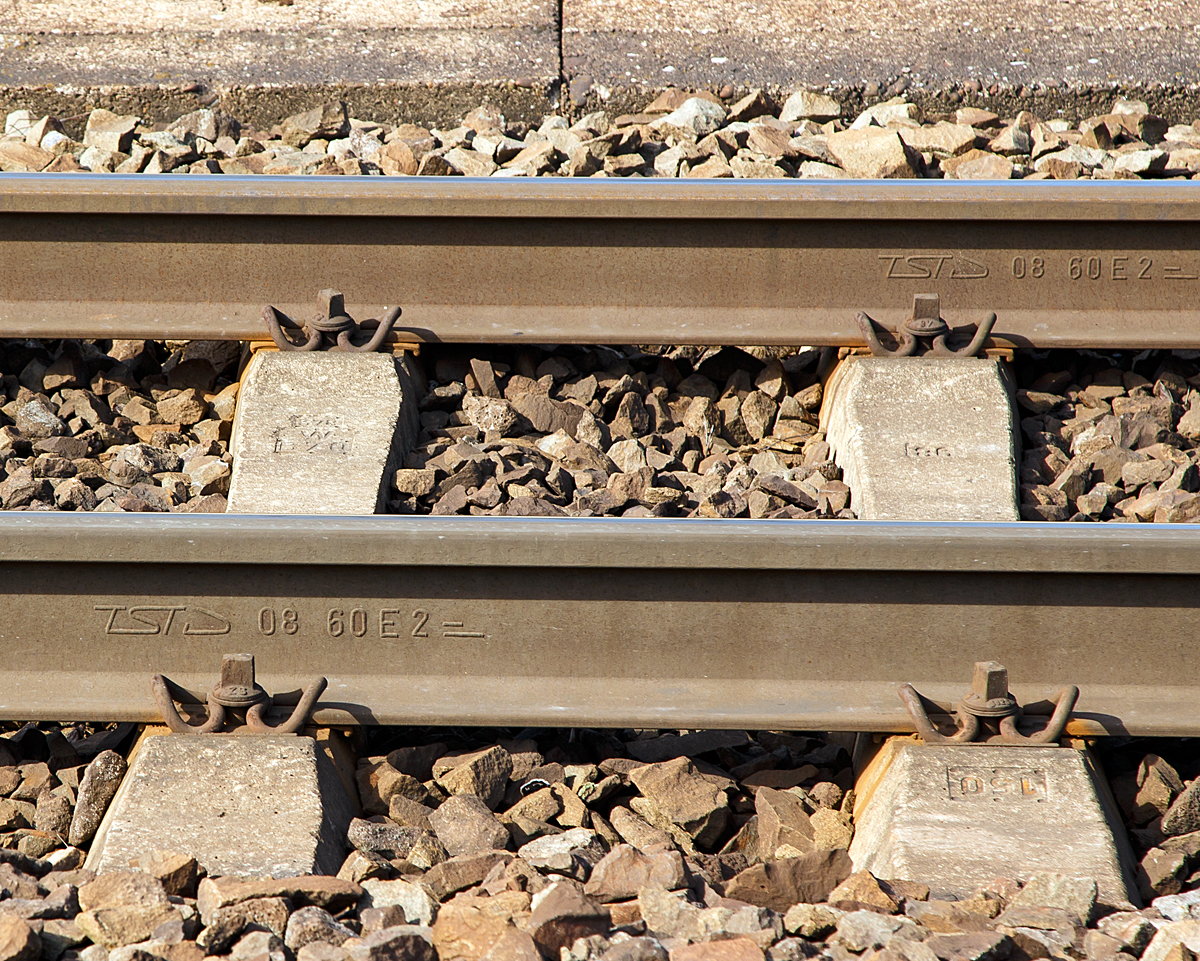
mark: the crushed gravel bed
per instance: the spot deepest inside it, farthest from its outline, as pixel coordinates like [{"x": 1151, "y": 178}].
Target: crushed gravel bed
[
  {"x": 679, "y": 134},
  {"x": 571, "y": 846},
  {"x": 1110, "y": 436},
  {"x": 586, "y": 431}
]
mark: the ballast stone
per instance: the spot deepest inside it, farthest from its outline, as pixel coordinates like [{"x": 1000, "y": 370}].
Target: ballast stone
[
  {"x": 959, "y": 816},
  {"x": 320, "y": 433},
  {"x": 923, "y": 438},
  {"x": 210, "y": 795}
]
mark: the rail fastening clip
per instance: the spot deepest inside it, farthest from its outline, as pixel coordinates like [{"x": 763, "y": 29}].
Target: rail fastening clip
[
  {"x": 236, "y": 692},
  {"x": 925, "y": 324},
  {"x": 992, "y": 710},
  {"x": 331, "y": 329}
]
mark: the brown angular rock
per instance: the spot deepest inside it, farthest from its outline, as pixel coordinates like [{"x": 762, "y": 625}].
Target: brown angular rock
[
  {"x": 314, "y": 924},
  {"x": 469, "y": 926},
  {"x": 1183, "y": 816},
  {"x": 226, "y": 924},
  {"x": 860, "y": 891},
  {"x": 513, "y": 945},
  {"x": 482, "y": 773},
  {"x": 782, "y": 820},
  {"x": 562, "y": 916},
  {"x": 407, "y": 942},
  {"x": 874, "y": 153},
  {"x": 333, "y": 894},
  {"x": 378, "y": 781},
  {"x": 1161, "y": 872},
  {"x": 780, "y": 884},
  {"x": 124, "y": 924},
  {"x": 326, "y": 122},
  {"x": 733, "y": 949},
  {"x": 465, "y": 825},
  {"x": 637, "y": 831},
  {"x": 457, "y": 874},
  {"x": 625, "y": 870},
  {"x": 417, "y": 761},
  {"x": 18, "y": 941},
  {"x": 176, "y": 872},
  {"x": 53, "y": 815},
  {"x": 696, "y": 802},
  {"x": 396, "y": 159},
  {"x": 186, "y": 408},
  {"x": 1158, "y": 785}
]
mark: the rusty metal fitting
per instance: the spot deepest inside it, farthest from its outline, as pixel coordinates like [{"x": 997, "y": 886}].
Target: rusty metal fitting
[
  {"x": 237, "y": 691},
  {"x": 925, "y": 324},
  {"x": 990, "y": 709},
  {"x": 989, "y": 695},
  {"x": 237, "y": 687},
  {"x": 299, "y": 716},
  {"x": 160, "y": 687},
  {"x": 331, "y": 329}
]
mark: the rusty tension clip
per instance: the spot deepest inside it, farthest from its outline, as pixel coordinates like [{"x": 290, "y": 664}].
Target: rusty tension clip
[
  {"x": 236, "y": 692},
  {"x": 925, "y": 324},
  {"x": 990, "y": 708},
  {"x": 331, "y": 329}
]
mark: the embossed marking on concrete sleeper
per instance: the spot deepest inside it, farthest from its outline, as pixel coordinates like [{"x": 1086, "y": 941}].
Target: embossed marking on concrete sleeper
[
  {"x": 996, "y": 784},
  {"x": 927, "y": 450},
  {"x": 325, "y": 434}
]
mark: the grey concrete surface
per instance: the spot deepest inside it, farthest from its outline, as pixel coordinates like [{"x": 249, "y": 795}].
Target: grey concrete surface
[
  {"x": 847, "y": 43},
  {"x": 924, "y": 439},
  {"x": 433, "y": 61},
  {"x": 319, "y": 433},
  {"x": 264, "y": 60},
  {"x": 960, "y": 816},
  {"x": 210, "y": 796}
]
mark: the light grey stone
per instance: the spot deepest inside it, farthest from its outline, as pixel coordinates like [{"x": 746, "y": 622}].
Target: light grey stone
[
  {"x": 695, "y": 114},
  {"x": 1074, "y": 895},
  {"x": 413, "y": 899},
  {"x": 207, "y": 795},
  {"x": 957, "y": 817},
  {"x": 1178, "y": 907},
  {"x": 924, "y": 439},
  {"x": 320, "y": 433},
  {"x": 808, "y": 104},
  {"x": 859, "y": 930},
  {"x": 572, "y": 853}
]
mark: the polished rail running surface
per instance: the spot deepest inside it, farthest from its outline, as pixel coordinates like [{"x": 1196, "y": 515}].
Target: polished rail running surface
[
  {"x": 1098, "y": 264},
  {"x": 743, "y": 624}
]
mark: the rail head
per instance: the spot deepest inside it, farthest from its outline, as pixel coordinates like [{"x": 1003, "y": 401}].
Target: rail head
[
  {"x": 558, "y": 198},
  {"x": 600, "y": 543}
]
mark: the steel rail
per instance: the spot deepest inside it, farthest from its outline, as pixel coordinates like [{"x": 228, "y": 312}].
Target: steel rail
[
  {"x": 743, "y": 624},
  {"x": 1098, "y": 264}
]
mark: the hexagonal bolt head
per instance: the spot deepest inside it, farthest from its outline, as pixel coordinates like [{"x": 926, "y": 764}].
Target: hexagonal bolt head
[
  {"x": 926, "y": 315},
  {"x": 331, "y": 303},
  {"x": 990, "y": 681},
  {"x": 237, "y": 674}
]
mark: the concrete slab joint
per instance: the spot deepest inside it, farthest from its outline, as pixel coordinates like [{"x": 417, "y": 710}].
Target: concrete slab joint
[{"x": 924, "y": 439}]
